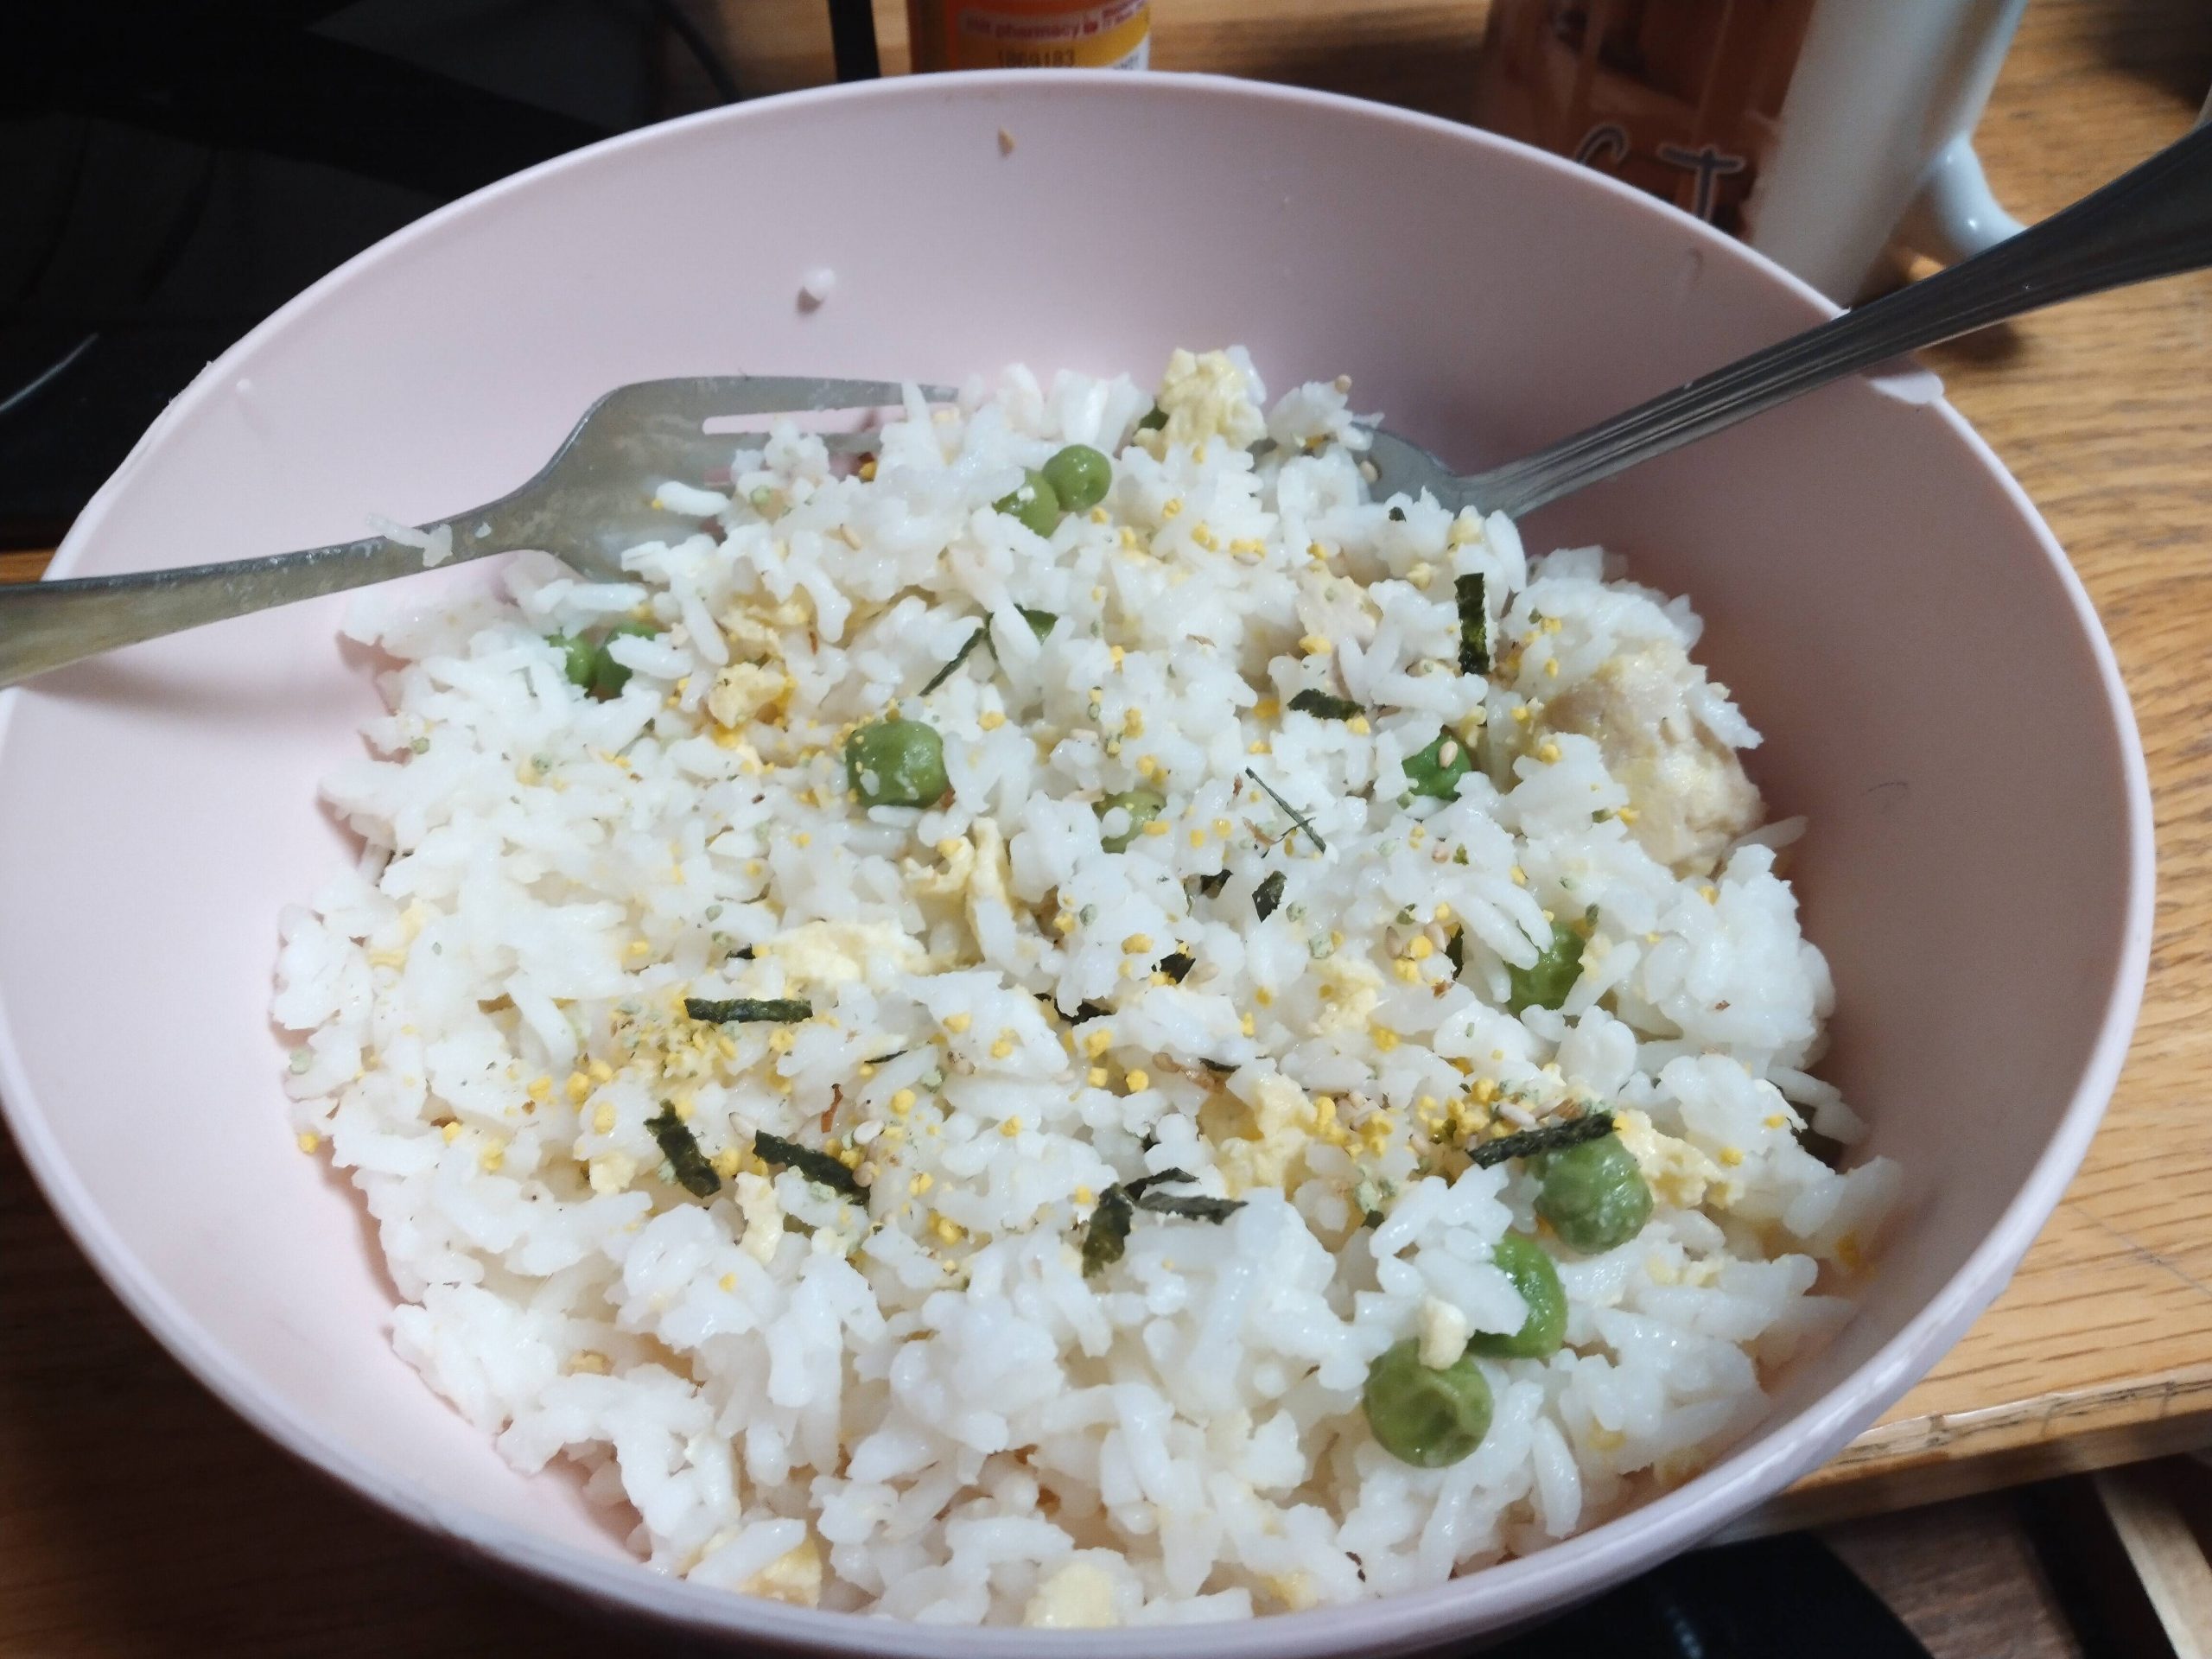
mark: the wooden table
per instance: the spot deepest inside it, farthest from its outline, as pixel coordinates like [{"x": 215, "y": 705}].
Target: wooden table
[{"x": 136, "y": 1516}]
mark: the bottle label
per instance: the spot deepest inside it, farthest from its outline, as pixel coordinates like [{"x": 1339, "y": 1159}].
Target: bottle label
[{"x": 1049, "y": 34}]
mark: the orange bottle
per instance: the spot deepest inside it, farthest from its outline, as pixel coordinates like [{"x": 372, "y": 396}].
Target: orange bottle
[{"x": 1030, "y": 33}]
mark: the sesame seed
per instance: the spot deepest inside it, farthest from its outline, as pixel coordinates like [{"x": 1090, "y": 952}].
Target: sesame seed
[
  {"x": 1011, "y": 1128},
  {"x": 1155, "y": 828},
  {"x": 308, "y": 1140},
  {"x": 1096, "y": 1076},
  {"x": 1138, "y": 1081},
  {"x": 956, "y": 1023}
]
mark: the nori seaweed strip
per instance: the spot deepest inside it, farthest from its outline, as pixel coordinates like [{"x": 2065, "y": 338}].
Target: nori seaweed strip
[
  {"x": 1087, "y": 1009},
  {"x": 1219, "y": 1068},
  {"x": 1165, "y": 1177},
  {"x": 1176, "y": 966},
  {"x": 693, "y": 1171},
  {"x": 1153, "y": 419},
  {"x": 1040, "y": 622},
  {"x": 1212, "y": 885},
  {"x": 1267, "y": 895},
  {"x": 744, "y": 1010},
  {"x": 1108, "y": 1234},
  {"x": 959, "y": 657},
  {"x": 1322, "y": 705},
  {"x": 886, "y": 1059},
  {"x": 817, "y": 1166},
  {"x": 1551, "y": 1137},
  {"x": 1197, "y": 1207},
  {"x": 1474, "y": 624},
  {"x": 1456, "y": 951},
  {"x": 1296, "y": 816},
  {"x": 743, "y": 953}
]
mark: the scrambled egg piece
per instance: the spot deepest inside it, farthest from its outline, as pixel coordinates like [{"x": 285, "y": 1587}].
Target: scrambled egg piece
[
  {"x": 763, "y": 1216},
  {"x": 1679, "y": 1174},
  {"x": 958, "y": 854},
  {"x": 834, "y": 953},
  {"x": 1444, "y": 1333},
  {"x": 1295, "y": 1590},
  {"x": 1077, "y": 1596},
  {"x": 755, "y": 627},
  {"x": 1350, "y": 990},
  {"x": 611, "y": 1172},
  {"x": 743, "y": 691},
  {"x": 1688, "y": 787},
  {"x": 1282, "y": 1121},
  {"x": 795, "y": 1576},
  {"x": 1207, "y": 396},
  {"x": 987, "y": 885}
]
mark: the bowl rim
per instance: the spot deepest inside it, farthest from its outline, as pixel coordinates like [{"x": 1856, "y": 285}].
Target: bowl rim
[{"x": 1491, "y": 1598}]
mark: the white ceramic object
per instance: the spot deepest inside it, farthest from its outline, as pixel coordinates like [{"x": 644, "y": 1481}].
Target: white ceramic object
[
  {"x": 1877, "y": 141},
  {"x": 1935, "y": 689}
]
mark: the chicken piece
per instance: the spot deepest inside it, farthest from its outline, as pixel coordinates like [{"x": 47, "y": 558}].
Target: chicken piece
[{"x": 1690, "y": 796}]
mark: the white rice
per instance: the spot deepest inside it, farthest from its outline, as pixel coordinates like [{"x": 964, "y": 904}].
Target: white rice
[{"x": 922, "y": 1407}]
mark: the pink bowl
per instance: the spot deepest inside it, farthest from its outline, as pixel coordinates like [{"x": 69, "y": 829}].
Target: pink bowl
[{"x": 1884, "y": 599}]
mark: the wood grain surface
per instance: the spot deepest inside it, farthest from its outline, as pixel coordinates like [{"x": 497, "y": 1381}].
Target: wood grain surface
[{"x": 136, "y": 1516}]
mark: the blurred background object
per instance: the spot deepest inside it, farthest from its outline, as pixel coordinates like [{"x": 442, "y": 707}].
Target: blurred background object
[
  {"x": 1821, "y": 131},
  {"x": 1029, "y": 34},
  {"x": 170, "y": 175}
]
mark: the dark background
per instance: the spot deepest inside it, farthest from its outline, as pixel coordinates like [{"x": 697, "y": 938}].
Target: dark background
[{"x": 172, "y": 173}]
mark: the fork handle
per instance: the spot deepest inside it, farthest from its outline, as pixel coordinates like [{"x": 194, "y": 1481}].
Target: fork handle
[
  {"x": 2155, "y": 220},
  {"x": 47, "y": 624}
]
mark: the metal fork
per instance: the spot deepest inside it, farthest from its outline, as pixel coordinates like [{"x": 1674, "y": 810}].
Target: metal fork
[{"x": 589, "y": 502}]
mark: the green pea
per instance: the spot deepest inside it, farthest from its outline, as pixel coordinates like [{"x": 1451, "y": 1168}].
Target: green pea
[
  {"x": 1437, "y": 770},
  {"x": 1141, "y": 805},
  {"x": 1080, "y": 474},
  {"x": 608, "y": 676},
  {"x": 1546, "y": 984},
  {"x": 1430, "y": 1419},
  {"x": 1037, "y": 504},
  {"x": 579, "y": 657},
  {"x": 1524, "y": 1260},
  {"x": 896, "y": 763},
  {"x": 1594, "y": 1196}
]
